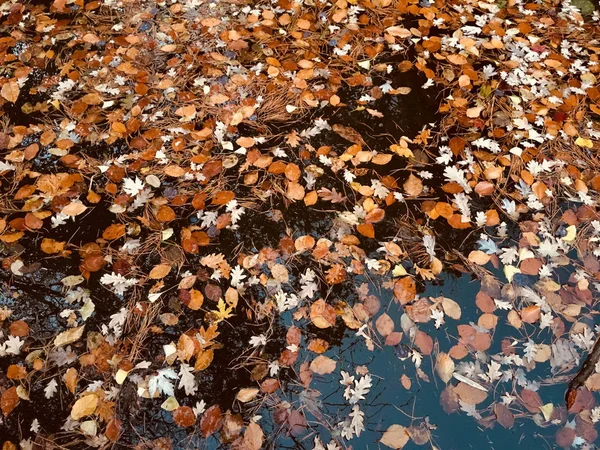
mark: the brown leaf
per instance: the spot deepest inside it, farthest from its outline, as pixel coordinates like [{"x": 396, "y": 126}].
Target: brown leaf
[
  {"x": 269, "y": 386},
  {"x": 184, "y": 416},
  {"x": 405, "y": 290},
  {"x": 253, "y": 437},
  {"x": 424, "y": 342},
  {"x": 366, "y": 229},
  {"x": 444, "y": 366},
  {"x": 384, "y": 325},
  {"x": 114, "y": 231},
  {"x": 74, "y": 209},
  {"x": 84, "y": 406},
  {"x": 322, "y": 365},
  {"x": 10, "y": 91},
  {"x": 159, "y": 271},
  {"x": 413, "y": 186},
  {"x": 396, "y": 437},
  {"x": 71, "y": 380},
  {"x": 469, "y": 394},
  {"x": 113, "y": 429},
  {"x": 16, "y": 372},
  {"x": 9, "y": 400},
  {"x": 504, "y": 416},
  {"x": 211, "y": 421},
  {"x": 322, "y": 315}
]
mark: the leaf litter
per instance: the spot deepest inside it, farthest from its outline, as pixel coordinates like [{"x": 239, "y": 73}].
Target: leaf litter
[{"x": 202, "y": 200}]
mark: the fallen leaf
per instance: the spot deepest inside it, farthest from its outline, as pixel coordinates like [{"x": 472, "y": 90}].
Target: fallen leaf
[
  {"x": 322, "y": 365},
  {"x": 85, "y": 406},
  {"x": 395, "y": 437},
  {"x": 10, "y": 91}
]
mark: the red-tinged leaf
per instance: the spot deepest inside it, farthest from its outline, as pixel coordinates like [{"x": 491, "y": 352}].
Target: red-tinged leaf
[
  {"x": 184, "y": 416},
  {"x": 531, "y": 400},
  {"x": 269, "y": 386},
  {"x": 322, "y": 365},
  {"x": 469, "y": 394},
  {"x": 565, "y": 437},
  {"x": 384, "y": 325},
  {"x": 293, "y": 336},
  {"x": 9, "y": 400},
  {"x": 405, "y": 290},
  {"x": 504, "y": 416},
  {"x": 211, "y": 421},
  {"x": 424, "y": 342},
  {"x": 113, "y": 429}
]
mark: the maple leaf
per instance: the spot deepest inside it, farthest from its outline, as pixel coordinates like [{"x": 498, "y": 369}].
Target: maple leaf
[
  {"x": 133, "y": 187},
  {"x": 222, "y": 312},
  {"x": 206, "y": 336}
]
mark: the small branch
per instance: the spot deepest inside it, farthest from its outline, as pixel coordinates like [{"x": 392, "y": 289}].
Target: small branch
[{"x": 587, "y": 369}]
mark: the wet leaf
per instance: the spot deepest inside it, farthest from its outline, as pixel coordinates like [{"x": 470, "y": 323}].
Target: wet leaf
[
  {"x": 211, "y": 421},
  {"x": 444, "y": 366},
  {"x": 405, "y": 290},
  {"x": 322, "y": 365},
  {"x": 395, "y": 437},
  {"x": 184, "y": 416},
  {"x": 253, "y": 437},
  {"x": 384, "y": 325},
  {"x": 322, "y": 315}
]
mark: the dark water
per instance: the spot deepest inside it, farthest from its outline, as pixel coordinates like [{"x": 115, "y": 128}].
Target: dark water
[{"x": 40, "y": 301}]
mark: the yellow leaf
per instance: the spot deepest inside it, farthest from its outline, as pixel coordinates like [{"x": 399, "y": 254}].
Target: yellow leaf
[
  {"x": 85, "y": 406},
  {"x": 69, "y": 336},
  {"x": 402, "y": 151},
  {"x": 170, "y": 404},
  {"x": 510, "y": 271},
  {"x": 571, "y": 234},
  {"x": 399, "y": 271},
  {"x": 547, "y": 411},
  {"x": 584, "y": 142},
  {"x": 222, "y": 312}
]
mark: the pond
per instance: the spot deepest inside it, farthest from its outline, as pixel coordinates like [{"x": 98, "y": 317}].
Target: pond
[{"x": 299, "y": 224}]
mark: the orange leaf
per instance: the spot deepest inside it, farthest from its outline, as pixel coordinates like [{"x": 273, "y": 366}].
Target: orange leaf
[
  {"x": 114, "y": 231},
  {"x": 366, "y": 229},
  {"x": 405, "y": 290},
  {"x": 184, "y": 416},
  {"x": 211, "y": 421},
  {"x": 9, "y": 400},
  {"x": 223, "y": 197}
]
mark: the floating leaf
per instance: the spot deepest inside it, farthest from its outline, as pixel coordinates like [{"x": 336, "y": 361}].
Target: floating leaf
[{"x": 395, "y": 437}]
